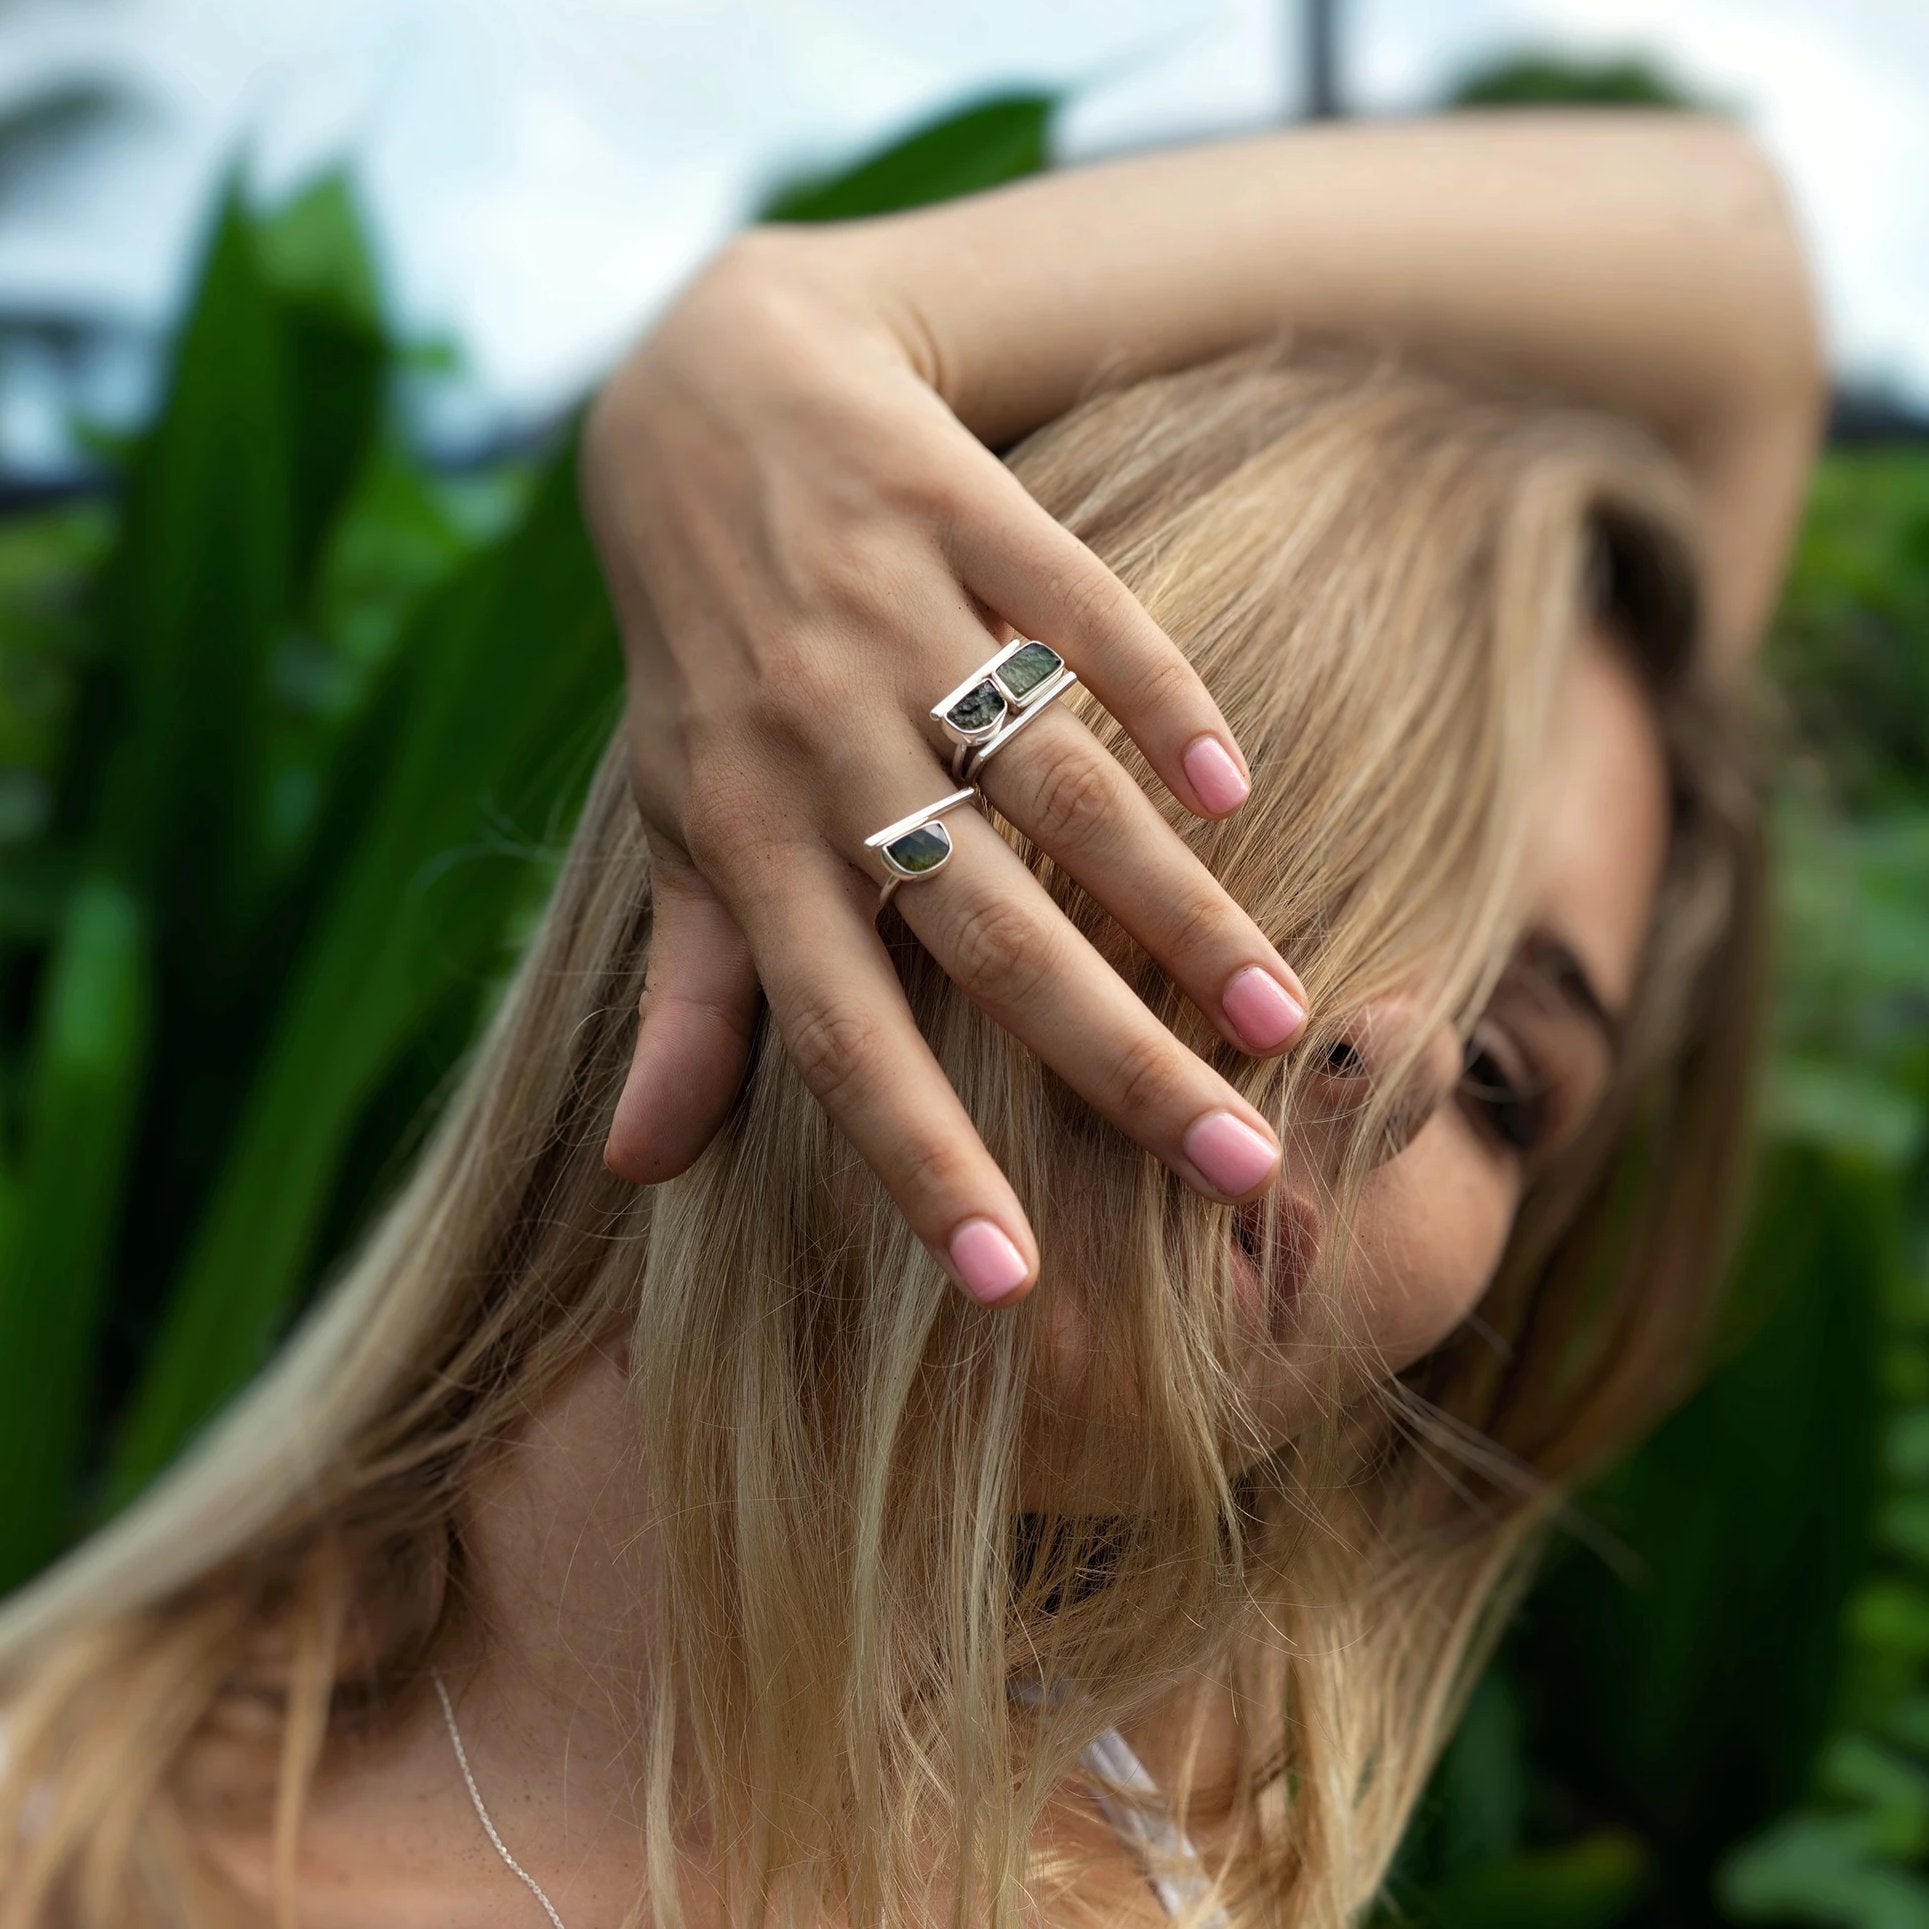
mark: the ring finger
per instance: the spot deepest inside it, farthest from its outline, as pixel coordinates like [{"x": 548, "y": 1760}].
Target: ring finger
[{"x": 997, "y": 934}]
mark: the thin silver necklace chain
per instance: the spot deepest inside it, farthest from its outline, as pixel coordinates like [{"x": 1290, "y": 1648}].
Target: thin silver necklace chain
[
  {"x": 1176, "y": 1895},
  {"x": 516, "y": 1869}
]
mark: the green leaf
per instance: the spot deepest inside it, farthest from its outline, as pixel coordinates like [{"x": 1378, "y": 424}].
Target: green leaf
[
  {"x": 88, "y": 1061},
  {"x": 1479, "y": 1793},
  {"x": 314, "y": 248},
  {"x": 980, "y": 147},
  {"x": 196, "y": 587},
  {"x": 502, "y": 690},
  {"x": 1690, "y": 1699},
  {"x": 315, "y": 253},
  {"x": 1589, "y": 1884},
  {"x": 1822, "y": 1869},
  {"x": 1837, "y": 1105},
  {"x": 1890, "y": 1790}
]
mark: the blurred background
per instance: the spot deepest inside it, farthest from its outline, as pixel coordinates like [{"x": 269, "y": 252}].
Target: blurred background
[{"x": 303, "y": 660}]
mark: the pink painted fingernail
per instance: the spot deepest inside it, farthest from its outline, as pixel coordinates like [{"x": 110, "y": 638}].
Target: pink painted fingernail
[
  {"x": 1230, "y": 1154},
  {"x": 988, "y": 1265},
  {"x": 1214, "y": 774},
  {"x": 1263, "y": 1012}
]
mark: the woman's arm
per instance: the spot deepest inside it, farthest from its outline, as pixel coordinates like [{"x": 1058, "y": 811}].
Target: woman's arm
[
  {"x": 789, "y": 487},
  {"x": 1645, "y": 263}
]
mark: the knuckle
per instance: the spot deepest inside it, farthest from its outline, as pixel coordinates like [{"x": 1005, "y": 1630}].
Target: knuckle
[
  {"x": 917, "y": 482},
  {"x": 1097, "y": 602},
  {"x": 998, "y": 956},
  {"x": 1195, "y": 920},
  {"x": 931, "y": 1173},
  {"x": 834, "y": 1046},
  {"x": 802, "y": 694},
  {"x": 846, "y": 564},
  {"x": 1165, "y": 680},
  {"x": 1075, "y": 798},
  {"x": 716, "y": 818},
  {"x": 940, "y": 494},
  {"x": 1146, "y": 1075},
  {"x": 863, "y": 578}
]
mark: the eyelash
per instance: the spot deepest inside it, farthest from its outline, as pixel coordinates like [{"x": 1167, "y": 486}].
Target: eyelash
[{"x": 1512, "y": 1115}]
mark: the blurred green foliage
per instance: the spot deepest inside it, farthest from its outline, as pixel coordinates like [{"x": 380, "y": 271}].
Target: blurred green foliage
[
  {"x": 288, "y": 731},
  {"x": 1559, "y": 80}
]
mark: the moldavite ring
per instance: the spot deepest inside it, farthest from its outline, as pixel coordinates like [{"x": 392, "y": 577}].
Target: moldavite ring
[
  {"x": 917, "y": 845},
  {"x": 968, "y": 759},
  {"x": 1013, "y": 680}
]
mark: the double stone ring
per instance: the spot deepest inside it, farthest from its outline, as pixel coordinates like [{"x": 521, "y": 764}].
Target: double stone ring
[
  {"x": 980, "y": 716},
  {"x": 998, "y": 699}
]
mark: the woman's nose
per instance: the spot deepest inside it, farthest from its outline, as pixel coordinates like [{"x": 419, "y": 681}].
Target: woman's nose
[{"x": 1379, "y": 1067}]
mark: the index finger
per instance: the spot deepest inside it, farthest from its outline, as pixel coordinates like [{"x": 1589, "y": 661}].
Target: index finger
[{"x": 1040, "y": 578}]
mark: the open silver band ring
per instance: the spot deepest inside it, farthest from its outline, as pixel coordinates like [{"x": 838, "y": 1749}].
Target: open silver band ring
[{"x": 918, "y": 845}]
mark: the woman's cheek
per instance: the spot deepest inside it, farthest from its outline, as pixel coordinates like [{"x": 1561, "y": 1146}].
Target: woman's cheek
[{"x": 1432, "y": 1227}]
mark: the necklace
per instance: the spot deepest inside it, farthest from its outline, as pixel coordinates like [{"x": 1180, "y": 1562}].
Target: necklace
[
  {"x": 1108, "y": 1754},
  {"x": 516, "y": 1869}
]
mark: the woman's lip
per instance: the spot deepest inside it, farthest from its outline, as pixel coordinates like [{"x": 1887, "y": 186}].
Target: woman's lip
[{"x": 1290, "y": 1258}]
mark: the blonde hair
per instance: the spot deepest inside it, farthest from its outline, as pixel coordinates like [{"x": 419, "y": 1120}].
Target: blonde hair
[{"x": 1382, "y": 573}]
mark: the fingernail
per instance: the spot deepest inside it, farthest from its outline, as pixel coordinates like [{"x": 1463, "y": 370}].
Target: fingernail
[
  {"x": 1214, "y": 774},
  {"x": 1262, "y": 1011},
  {"x": 1230, "y": 1154},
  {"x": 989, "y": 1267}
]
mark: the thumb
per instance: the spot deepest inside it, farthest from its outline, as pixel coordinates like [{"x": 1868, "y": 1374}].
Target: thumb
[{"x": 698, "y": 1016}]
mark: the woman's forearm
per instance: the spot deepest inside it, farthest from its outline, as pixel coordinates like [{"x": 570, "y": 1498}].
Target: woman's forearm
[{"x": 1643, "y": 263}]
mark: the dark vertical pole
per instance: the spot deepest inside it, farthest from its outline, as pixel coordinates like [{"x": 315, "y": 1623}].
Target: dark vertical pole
[{"x": 1322, "y": 78}]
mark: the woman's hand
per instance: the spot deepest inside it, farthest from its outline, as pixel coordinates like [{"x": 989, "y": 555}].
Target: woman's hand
[{"x": 806, "y": 549}]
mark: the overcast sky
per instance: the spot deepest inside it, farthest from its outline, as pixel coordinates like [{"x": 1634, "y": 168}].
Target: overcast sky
[{"x": 543, "y": 171}]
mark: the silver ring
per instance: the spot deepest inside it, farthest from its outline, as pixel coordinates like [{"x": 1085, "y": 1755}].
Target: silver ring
[
  {"x": 1006, "y": 684},
  {"x": 968, "y": 759},
  {"x": 916, "y": 846}
]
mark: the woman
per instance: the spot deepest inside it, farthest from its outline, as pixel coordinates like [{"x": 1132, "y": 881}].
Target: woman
[{"x": 610, "y": 1553}]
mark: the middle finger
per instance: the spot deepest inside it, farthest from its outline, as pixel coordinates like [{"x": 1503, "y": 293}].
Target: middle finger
[
  {"x": 1068, "y": 793},
  {"x": 994, "y": 929}
]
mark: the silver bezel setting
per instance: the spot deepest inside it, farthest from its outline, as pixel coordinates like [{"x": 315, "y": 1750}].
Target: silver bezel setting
[
  {"x": 987, "y": 672},
  {"x": 926, "y": 819},
  {"x": 957, "y": 731},
  {"x": 912, "y": 820},
  {"x": 1038, "y": 691},
  {"x": 970, "y": 759},
  {"x": 937, "y": 827}
]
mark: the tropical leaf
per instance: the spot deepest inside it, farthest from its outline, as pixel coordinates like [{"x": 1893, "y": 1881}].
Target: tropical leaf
[
  {"x": 196, "y": 589},
  {"x": 1694, "y": 1699},
  {"x": 981, "y": 147},
  {"x": 58, "y": 1241},
  {"x": 500, "y": 689}
]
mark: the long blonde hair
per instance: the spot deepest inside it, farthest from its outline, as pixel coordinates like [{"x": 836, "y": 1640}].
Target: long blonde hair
[{"x": 1382, "y": 573}]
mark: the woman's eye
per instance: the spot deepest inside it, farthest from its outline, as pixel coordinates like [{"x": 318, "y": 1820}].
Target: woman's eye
[{"x": 1513, "y": 1113}]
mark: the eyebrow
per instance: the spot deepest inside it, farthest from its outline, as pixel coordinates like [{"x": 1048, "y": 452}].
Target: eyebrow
[{"x": 1554, "y": 961}]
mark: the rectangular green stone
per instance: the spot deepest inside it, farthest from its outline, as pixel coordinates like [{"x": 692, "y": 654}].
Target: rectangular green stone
[{"x": 1024, "y": 670}]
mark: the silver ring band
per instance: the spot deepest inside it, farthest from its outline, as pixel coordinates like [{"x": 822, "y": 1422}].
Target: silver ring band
[
  {"x": 917, "y": 845},
  {"x": 968, "y": 759}
]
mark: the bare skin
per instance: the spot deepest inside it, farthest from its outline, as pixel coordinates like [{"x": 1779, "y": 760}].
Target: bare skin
[
  {"x": 793, "y": 498},
  {"x": 792, "y": 501},
  {"x": 391, "y": 1841}
]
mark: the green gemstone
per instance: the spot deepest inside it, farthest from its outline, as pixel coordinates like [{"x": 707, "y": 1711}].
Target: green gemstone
[
  {"x": 1024, "y": 670},
  {"x": 978, "y": 709},
  {"x": 919, "y": 851}
]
